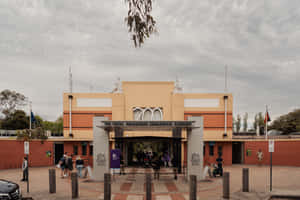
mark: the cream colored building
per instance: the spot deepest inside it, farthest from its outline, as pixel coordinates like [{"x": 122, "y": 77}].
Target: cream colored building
[{"x": 149, "y": 101}]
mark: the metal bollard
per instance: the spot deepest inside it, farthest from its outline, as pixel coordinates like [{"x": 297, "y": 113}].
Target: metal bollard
[
  {"x": 107, "y": 186},
  {"x": 245, "y": 180},
  {"x": 175, "y": 173},
  {"x": 148, "y": 187},
  {"x": 52, "y": 181},
  {"x": 193, "y": 187},
  {"x": 226, "y": 186},
  {"x": 74, "y": 184}
]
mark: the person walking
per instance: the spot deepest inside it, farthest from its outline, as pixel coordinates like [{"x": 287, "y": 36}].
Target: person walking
[
  {"x": 79, "y": 166},
  {"x": 175, "y": 166},
  {"x": 166, "y": 159},
  {"x": 25, "y": 169},
  {"x": 69, "y": 164},
  {"x": 62, "y": 165},
  {"x": 156, "y": 167}
]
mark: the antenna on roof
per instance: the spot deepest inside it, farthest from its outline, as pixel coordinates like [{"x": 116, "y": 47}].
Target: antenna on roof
[
  {"x": 225, "y": 89},
  {"x": 70, "y": 80}
]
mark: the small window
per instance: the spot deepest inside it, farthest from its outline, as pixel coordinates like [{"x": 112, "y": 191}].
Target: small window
[
  {"x": 220, "y": 150},
  {"x": 91, "y": 150},
  {"x": 203, "y": 149},
  {"x": 83, "y": 150},
  {"x": 75, "y": 150},
  {"x": 211, "y": 150}
]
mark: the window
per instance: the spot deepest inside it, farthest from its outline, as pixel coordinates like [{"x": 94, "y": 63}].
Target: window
[
  {"x": 220, "y": 150},
  {"x": 203, "y": 149},
  {"x": 91, "y": 150},
  {"x": 211, "y": 150},
  {"x": 75, "y": 150},
  {"x": 83, "y": 146}
]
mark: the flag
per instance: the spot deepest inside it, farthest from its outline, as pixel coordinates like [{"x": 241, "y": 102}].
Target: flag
[
  {"x": 267, "y": 117},
  {"x": 32, "y": 117}
]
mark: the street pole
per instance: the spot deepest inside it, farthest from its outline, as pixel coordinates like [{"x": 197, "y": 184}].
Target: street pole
[
  {"x": 28, "y": 173},
  {"x": 271, "y": 171}
]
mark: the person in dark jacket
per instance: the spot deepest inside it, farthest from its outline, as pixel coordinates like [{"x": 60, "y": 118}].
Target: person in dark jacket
[
  {"x": 25, "y": 169},
  {"x": 69, "y": 164},
  {"x": 175, "y": 165},
  {"x": 156, "y": 166}
]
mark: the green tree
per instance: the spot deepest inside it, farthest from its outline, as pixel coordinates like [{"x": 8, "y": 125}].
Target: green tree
[
  {"x": 10, "y": 100},
  {"x": 16, "y": 120},
  {"x": 54, "y": 127},
  {"x": 238, "y": 123},
  {"x": 139, "y": 20},
  {"x": 259, "y": 120},
  {"x": 245, "y": 122},
  {"x": 287, "y": 123}
]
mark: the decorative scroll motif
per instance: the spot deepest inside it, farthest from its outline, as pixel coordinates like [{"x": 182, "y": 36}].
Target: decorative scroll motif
[
  {"x": 148, "y": 113},
  {"x": 100, "y": 159},
  {"x": 195, "y": 159}
]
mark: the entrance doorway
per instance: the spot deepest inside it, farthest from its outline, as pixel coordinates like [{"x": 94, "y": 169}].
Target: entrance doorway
[
  {"x": 140, "y": 151},
  {"x": 58, "y": 151},
  {"x": 237, "y": 152}
]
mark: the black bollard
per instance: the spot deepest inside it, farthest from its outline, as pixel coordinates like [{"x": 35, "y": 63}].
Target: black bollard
[
  {"x": 148, "y": 187},
  {"x": 74, "y": 184},
  {"x": 52, "y": 181},
  {"x": 226, "y": 186},
  {"x": 245, "y": 180},
  {"x": 193, "y": 187},
  {"x": 107, "y": 186}
]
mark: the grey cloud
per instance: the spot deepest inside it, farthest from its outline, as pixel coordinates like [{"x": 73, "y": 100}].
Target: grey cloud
[{"x": 258, "y": 40}]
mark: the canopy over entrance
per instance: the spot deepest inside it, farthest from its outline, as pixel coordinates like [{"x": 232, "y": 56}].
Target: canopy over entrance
[{"x": 146, "y": 125}]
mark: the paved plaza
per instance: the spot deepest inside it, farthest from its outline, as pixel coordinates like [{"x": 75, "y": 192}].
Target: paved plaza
[{"x": 132, "y": 185}]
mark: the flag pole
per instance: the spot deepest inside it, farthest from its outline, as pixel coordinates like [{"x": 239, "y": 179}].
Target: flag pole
[
  {"x": 266, "y": 120},
  {"x": 30, "y": 115}
]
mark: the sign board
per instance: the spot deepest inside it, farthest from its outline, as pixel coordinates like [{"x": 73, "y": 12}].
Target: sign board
[
  {"x": 271, "y": 145},
  {"x": 26, "y": 147},
  {"x": 115, "y": 157}
]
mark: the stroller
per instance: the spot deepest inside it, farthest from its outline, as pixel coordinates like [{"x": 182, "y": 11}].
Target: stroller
[{"x": 217, "y": 170}]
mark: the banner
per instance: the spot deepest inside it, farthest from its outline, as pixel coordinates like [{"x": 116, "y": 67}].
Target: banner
[{"x": 115, "y": 158}]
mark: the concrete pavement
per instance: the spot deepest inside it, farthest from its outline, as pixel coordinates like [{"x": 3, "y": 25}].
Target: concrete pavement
[{"x": 132, "y": 185}]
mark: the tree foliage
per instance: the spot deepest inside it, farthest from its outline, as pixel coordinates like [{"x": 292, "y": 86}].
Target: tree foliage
[
  {"x": 54, "y": 127},
  {"x": 258, "y": 120},
  {"x": 287, "y": 123},
  {"x": 15, "y": 121},
  {"x": 238, "y": 123},
  {"x": 27, "y": 134},
  {"x": 245, "y": 122},
  {"x": 139, "y": 21},
  {"x": 10, "y": 100}
]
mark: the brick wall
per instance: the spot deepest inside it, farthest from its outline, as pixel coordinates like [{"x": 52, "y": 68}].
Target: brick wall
[
  {"x": 226, "y": 149},
  {"x": 12, "y": 153},
  {"x": 286, "y": 153},
  {"x": 213, "y": 120},
  {"x": 69, "y": 148}
]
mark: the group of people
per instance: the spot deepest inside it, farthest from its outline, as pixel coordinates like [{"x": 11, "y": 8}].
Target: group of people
[{"x": 66, "y": 165}]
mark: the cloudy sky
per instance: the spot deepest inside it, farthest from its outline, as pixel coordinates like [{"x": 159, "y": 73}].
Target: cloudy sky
[{"x": 258, "y": 40}]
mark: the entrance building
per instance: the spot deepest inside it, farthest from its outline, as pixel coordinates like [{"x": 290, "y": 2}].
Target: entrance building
[{"x": 154, "y": 103}]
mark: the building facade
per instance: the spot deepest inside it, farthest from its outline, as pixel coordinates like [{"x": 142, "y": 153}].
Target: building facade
[{"x": 151, "y": 101}]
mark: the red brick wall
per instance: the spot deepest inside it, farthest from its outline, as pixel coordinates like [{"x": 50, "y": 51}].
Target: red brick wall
[
  {"x": 227, "y": 153},
  {"x": 83, "y": 119},
  {"x": 12, "y": 153},
  {"x": 212, "y": 120},
  {"x": 88, "y": 159},
  {"x": 286, "y": 153}
]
